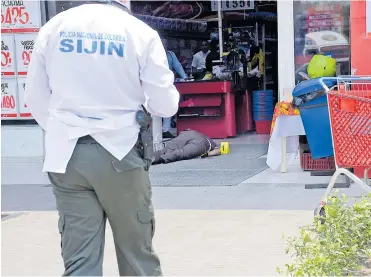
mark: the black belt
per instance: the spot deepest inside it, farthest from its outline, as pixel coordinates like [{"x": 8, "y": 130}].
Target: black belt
[{"x": 86, "y": 140}]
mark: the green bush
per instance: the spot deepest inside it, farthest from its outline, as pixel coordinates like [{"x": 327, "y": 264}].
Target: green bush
[{"x": 338, "y": 246}]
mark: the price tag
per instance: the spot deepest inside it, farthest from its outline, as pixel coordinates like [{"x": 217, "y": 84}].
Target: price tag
[
  {"x": 230, "y": 5},
  {"x": 24, "y": 44},
  {"x": 20, "y": 14},
  {"x": 7, "y": 55},
  {"x": 9, "y": 105},
  {"x": 23, "y": 110}
]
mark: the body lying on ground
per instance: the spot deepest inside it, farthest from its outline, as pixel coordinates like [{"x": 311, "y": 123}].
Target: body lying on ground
[{"x": 188, "y": 145}]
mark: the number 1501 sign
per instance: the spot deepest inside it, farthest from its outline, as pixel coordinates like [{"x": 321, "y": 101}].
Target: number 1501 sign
[{"x": 230, "y": 5}]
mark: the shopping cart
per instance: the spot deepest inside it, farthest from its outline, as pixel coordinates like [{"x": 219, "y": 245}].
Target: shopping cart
[{"x": 349, "y": 106}]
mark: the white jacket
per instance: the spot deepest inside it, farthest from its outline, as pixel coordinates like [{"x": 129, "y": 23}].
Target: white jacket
[{"x": 92, "y": 68}]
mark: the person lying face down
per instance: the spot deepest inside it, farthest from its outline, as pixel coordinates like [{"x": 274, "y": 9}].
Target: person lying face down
[{"x": 188, "y": 145}]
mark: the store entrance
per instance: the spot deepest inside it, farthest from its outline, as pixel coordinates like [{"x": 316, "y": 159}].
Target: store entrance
[{"x": 220, "y": 55}]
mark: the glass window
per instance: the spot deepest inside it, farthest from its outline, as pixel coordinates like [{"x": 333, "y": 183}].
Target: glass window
[{"x": 322, "y": 27}]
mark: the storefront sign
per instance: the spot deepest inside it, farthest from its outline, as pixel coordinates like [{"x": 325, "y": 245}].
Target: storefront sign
[
  {"x": 9, "y": 98},
  {"x": 23, "y": 110},
  {"x": 24, "y": 44},
  {"x": 20, "y": 22},
  {"x": 230, "y": 5},
  {"x": 326, "y": 16},
  {"x": 20, "y": 14},
  {"x": 7, "y": 55}
]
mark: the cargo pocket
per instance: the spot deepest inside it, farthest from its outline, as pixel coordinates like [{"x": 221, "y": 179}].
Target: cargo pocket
[{"x": 146, "y": 217}]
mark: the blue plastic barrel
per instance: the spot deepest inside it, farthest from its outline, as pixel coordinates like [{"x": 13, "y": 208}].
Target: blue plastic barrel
[{"x": 311, "y": 99}]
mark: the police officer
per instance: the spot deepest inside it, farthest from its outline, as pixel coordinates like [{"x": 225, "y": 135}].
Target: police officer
[{"x": 93, "y": 67}]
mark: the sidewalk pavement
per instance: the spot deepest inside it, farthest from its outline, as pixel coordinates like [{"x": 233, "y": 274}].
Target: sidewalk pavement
[
  {"x": 222, "y": 235},
  {"x": 189, "y": 242}
]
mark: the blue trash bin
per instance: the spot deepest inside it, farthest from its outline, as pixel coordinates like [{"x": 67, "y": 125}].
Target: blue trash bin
[{"x": 311, "y": 99}]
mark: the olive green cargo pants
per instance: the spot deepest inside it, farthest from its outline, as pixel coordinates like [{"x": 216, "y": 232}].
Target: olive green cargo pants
[{"x": 97, "y": 186}]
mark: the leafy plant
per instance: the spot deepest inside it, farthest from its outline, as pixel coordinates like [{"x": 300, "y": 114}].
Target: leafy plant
[{"x": 337, "y": 244}]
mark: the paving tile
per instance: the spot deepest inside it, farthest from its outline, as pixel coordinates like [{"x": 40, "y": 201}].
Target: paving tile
[{"x": 189, "y": 242}]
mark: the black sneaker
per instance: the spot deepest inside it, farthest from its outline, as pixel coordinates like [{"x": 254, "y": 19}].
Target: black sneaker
[{"x": 167, "y": 135}]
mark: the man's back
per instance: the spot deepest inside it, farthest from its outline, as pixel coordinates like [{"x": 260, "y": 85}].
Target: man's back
[
  {"x": 92, "y": 68},
  {"x": 95, "y": 52}
]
